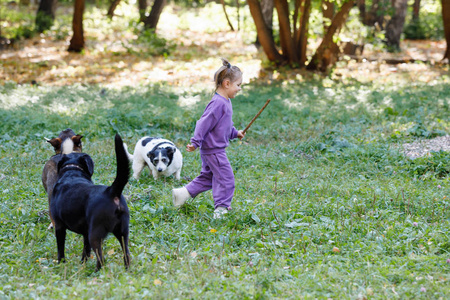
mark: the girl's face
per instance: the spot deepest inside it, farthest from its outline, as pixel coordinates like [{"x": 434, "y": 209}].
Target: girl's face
[{"x": 233, "y": 87}]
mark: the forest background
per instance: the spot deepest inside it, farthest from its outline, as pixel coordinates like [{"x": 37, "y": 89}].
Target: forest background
[{"x": 342, "y": 183}]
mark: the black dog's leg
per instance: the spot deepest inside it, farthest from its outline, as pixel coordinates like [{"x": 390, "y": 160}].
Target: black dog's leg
[
  {"x": 95, "y": 239},
  {"x": 86, "y": 249},
  {"x": 60, "y": 233},
  {"x": 122, "y": 236}
]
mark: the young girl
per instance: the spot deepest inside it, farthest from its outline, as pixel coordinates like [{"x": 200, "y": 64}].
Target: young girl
[{"x": 212, "y": 134}]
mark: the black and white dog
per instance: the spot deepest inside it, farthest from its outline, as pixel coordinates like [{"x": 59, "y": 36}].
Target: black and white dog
[
  {"x": 161, "y": 156},
  {"x": 90, "y": 210}
]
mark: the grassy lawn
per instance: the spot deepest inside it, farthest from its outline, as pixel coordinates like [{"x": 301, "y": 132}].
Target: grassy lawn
[{"x": 326, "y": 205}]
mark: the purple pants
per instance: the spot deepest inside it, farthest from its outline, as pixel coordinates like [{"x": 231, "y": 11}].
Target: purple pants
[{"x": 216, "y": 174}]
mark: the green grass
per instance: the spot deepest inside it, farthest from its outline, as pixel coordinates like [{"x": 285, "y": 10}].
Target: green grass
[{"x": 319, "y": 169}]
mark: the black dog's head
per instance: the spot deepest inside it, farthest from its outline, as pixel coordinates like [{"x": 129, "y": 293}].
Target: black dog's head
[
  {"x": 161, "y": 157},
  {"x": 67, "y": 142},
  {"x": 77, "y": 160}
]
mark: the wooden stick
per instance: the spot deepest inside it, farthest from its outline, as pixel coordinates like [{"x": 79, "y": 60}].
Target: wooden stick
[{"x": 256, "y": 116}]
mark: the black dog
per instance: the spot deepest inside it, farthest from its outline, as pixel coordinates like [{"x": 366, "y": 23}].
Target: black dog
[{"x": 91, "y": 210}]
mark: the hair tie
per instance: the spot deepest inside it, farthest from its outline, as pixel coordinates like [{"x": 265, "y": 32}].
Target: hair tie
[{"x": 228, "y": 65}]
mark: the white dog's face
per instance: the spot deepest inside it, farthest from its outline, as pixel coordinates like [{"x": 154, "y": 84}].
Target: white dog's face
[{"x": 161, "y": 157}]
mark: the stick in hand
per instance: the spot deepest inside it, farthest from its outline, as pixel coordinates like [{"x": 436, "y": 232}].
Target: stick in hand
[{"x": 256, "y": 116}]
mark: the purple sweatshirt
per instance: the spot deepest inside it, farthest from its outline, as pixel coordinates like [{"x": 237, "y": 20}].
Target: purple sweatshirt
[{"x": 215, "y": 129}]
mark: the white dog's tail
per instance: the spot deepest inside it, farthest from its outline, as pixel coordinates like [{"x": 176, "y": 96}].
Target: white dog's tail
[{"x": 130, "y": 156}]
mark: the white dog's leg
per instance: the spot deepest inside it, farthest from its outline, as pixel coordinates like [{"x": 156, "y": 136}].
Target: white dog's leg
[
  {"x": 138, "y": 166},
  {"x": 155, "y": 174},
  {"x": 177, "y": 174}
]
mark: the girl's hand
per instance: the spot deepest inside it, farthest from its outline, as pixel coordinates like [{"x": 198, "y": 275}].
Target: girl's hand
[
  {"x": 190, "y": 148},
  {"x": 241, "y": 134}
]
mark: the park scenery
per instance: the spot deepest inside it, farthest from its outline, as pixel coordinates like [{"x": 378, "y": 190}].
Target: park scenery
[{"x": 341, "y": 184}]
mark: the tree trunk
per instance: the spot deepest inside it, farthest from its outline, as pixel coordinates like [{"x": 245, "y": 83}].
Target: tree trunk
[
  {"x": 416, "y": 10},
  {"x": 226, "y": 14},
  {"x": 112, "y": 8},
  {"x": 267, "y": 13},
  {"x": 142, "y": 6},
  {"x": 45, "y": 15},
  {"x": 264, "y": 35},
  {"x": 394, "y": 28},
  {"x": 152, "y": 20},
  {"x": 328, "y": 13},
  {"x": 77, "y": 41},
  {"x": 302, "y": 34},
  {"x": 446, "y": 20},
  {"x": 323, "y": 56},
  {"x": 375, "y": 17},
  {"x": 362, "y": 10},
  {"x": 286, "y": 40}
]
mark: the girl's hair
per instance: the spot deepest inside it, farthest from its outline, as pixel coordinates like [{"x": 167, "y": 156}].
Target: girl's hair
[{"x": 226, "y": 71}]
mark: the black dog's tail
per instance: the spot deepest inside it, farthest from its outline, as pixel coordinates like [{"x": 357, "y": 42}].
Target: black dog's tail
[{"x": 123, "y": 167}]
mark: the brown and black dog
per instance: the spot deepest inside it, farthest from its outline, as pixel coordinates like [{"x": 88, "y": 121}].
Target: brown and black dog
[
  {"x": 67, "y": 142},
  {"x": 91, "y": 210}
]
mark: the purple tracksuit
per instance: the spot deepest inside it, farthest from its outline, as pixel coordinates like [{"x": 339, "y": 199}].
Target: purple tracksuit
[{"x": 212, "y": 134}]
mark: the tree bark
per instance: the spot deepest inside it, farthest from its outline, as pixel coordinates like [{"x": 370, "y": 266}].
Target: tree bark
[
  {"x": 322, "y": 58},
  {"x": 264, "y": 35},
  {"x": 302, "y": 36},
  {"x": 77, "y": 41},
  {"x": 446, "y": 20},
  {"x": 112, "y": 8},
  {"x": 394, "y": 28},
  {"x": 328, "y": 13},
  {"x": 152, "y": 20},
  {"x": 45, "y": 15},
  {"x": 286, "y": 40},
  {"x": 267, "y": 13},
  {"x": 416, "y": 10},
  {"x": 142, "y": 5}
]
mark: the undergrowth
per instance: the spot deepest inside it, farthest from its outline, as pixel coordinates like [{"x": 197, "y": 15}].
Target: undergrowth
[{"x": 326, "y": 205}]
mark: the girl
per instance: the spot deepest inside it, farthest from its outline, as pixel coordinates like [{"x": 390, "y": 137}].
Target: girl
[{"x": 212, "y": 134}]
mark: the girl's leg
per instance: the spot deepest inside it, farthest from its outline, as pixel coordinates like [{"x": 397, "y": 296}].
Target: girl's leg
[
  {"x": 223, "y": 180},
  {"x": 202, "y": 182}
]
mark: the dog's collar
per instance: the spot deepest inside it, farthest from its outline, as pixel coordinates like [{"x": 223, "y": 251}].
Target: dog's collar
[{"x": 72, "y": 165}]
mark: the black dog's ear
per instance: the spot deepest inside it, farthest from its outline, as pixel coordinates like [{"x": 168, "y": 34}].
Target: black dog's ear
[
  {"x": 151, "y": 155},
  {"x": 171, "y": 150},
  {"x": 88, "y": 164}
]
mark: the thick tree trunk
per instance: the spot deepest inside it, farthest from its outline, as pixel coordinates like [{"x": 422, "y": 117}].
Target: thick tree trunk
[
  {"x": 416, "y": 10},
  {"x": 152, "y": 20},
  {"x": 226, "y": 14},
  {"x": 45, "y": 15},
  {"x": 446, "y": 20},
  {"x": 267, "y": 13},
  {"x": 323, "y": 56},
  {"x": 142, "y": 5},
  {"x": 112, "y": 8},
  {"x": 394, "y": 28},
  {"x": 302, "y": 35},
  {"x": 286, "y": 40},
  {"x": 77, "y": 41},
  {"x": 362, "y": 10},
  {"x": 328, "y": 13},
  {"x": 264, "y": 34},
  {"x": 375, "y": 17}
]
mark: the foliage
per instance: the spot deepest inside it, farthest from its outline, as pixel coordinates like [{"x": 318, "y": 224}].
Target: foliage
[
  {"x": 326, "y": 205},
  {"x": 149, "y": 43},
  {"x": 15, "y": 23},
  {"x": 428, "y": 26}
]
